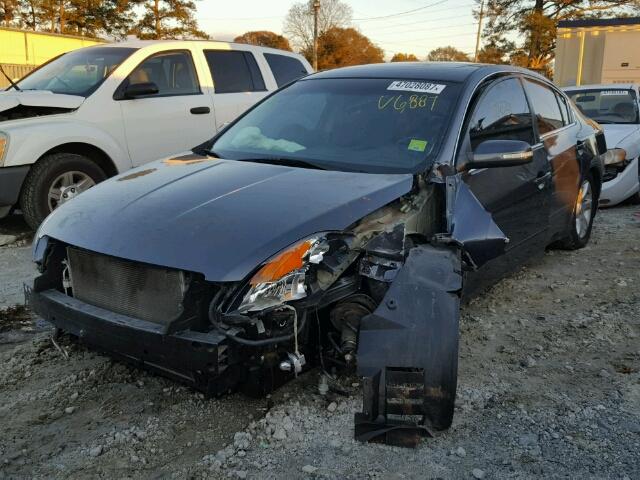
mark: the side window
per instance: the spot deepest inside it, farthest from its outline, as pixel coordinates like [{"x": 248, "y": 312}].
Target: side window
[
  {"x": 545, "y": 105},
  {"x": 564, "y": 109},
  {"x": 285, "y": 69},
  {"x": 172, "y": 72},
  {"x": 234, "y": 71},
  {"x": 502, "y": 113}
]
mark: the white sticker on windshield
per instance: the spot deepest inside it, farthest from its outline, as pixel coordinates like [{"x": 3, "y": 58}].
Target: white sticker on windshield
[
  {"x": 419, "y": 87},
  {"x": 614, "y": 92}
]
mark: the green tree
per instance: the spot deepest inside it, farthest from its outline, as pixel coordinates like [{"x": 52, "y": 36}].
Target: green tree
[
  {"x": 341, "y": 47},
  {"x": 298, "y": 24},
  {"x": 404, "y": 57},
  {"x": 264, "y": 39},
  {"x": 168, "y": 19},
  {"x": 447, "y": 54}
]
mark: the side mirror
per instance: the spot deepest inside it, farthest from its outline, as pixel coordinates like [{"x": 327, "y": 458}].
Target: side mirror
[
  {"x": 135, "y": 90},
  {"x": 500, "y": 153}
]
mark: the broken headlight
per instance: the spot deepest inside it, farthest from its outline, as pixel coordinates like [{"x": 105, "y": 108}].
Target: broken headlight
[
  {"x": 614, "y": 156},
  {"x": 283, "y": 277}
]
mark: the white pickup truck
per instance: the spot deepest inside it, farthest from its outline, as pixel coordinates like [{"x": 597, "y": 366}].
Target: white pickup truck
[{"x": 98, "y": 111}]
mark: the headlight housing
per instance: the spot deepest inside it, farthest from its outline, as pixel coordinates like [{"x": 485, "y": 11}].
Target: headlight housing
[
  {"x": 4, "y": 146},
  {"x": 283, "y": 277},
  {"x": 615, "y": 156}
]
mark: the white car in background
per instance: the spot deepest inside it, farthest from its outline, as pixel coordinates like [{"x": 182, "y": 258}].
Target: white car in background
[
  {"x": 616, "y": 108},
  {"x": 95, "y": 112}
]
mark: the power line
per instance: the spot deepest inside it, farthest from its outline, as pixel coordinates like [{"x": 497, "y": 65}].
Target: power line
[
  {"x": 429, "y": 29},
  {"x": 417, "y": 40},
  {"x": 419, "y": 22},
  {"x": 400, "y": 13}
]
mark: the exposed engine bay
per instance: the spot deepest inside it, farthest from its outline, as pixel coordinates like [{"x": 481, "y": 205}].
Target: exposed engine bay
[{"x": 28, "y": 111}]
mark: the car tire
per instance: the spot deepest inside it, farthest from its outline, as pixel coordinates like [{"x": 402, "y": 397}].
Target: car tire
[
  {"x": 579, "y": 230},
  {"x": 54, "y": 175}
]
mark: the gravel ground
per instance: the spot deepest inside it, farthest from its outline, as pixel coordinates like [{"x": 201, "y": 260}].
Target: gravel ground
[{"x": 549, "y": 388}]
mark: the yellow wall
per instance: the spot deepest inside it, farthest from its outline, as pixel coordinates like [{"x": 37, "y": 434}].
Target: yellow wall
[{"x": 20, "y": 47}]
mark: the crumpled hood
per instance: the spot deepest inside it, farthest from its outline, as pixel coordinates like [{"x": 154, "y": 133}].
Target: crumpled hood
[
  {"x": 616, "y": 134},
  {"x": 38, "y": 98},
  {"x": 221, "y": 218}
]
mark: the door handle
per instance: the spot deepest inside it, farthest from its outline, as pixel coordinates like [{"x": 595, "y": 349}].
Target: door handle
[
  {"x": 200, "y": 110},
  {"x": 541, "y": 179}
]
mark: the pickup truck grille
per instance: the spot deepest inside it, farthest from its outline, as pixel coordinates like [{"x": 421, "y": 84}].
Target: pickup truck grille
[{"x": 137, "y": 290}]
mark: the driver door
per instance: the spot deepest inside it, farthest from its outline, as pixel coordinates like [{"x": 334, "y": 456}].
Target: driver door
[{"x": 517, "y": 197}]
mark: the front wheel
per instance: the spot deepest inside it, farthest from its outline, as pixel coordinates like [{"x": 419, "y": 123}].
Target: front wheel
[
  {"x": 584, "y": 212},
  {"x": 54, "y": 180}
]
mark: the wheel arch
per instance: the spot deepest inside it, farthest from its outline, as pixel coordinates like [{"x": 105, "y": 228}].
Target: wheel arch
[{"x": 99, "y": 156}]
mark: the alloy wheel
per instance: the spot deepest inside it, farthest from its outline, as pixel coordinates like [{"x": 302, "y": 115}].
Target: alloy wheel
[{"x": 67, "y": 186}]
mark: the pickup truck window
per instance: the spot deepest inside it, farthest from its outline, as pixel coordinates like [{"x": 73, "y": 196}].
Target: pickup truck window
[
  {"x": 234, "y": 71},
  {"x": 172, "y": 72},
  {"x": 285, "y": 69}
]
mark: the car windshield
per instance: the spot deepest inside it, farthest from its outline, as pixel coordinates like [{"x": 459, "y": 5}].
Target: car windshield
[
  {"x": 76, "y": 73},
  {"x": 607, "y": 105},
  {"x": 350, "y": 124}
]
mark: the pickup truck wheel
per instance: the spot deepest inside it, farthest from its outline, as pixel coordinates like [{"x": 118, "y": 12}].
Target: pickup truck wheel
[
  {"x": 584, "y": 212},
  {"x": 54, "y": 180}
]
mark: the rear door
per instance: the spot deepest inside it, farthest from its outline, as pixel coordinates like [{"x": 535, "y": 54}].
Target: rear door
[
  {"x": 559, "y": 135},
  {"x": 237, "y": 81},
  {"x": 177, "y": 118}
]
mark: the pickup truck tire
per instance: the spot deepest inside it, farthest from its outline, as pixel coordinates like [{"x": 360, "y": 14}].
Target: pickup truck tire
[{"x": 47, "y": 172}]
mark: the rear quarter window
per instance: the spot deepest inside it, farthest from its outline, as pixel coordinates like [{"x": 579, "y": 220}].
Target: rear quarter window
[
  {"x": 234, "y": 71},
  {"x": 285, "y": 69}
]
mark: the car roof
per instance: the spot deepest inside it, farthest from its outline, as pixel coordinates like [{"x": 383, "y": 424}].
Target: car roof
[
  {"x": 180, "y": 43},
  {"x": 432, "y": 71},
  {"x": 603, "y": 86}
]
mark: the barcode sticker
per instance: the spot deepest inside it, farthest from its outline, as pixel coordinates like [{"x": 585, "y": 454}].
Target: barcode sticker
[
  {"x": 614, "y": 92},
  {"x": 418, "y": 87}
]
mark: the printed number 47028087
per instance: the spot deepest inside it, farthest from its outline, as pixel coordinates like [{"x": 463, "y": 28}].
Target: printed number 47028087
[{"x": 400, "y": 103}]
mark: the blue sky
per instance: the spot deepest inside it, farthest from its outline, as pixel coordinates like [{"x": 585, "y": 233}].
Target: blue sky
[{"x": 443, "y": 22}]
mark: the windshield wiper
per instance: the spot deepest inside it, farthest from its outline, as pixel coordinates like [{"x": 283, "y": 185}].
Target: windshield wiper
[
  {"x": 11, "y": 82},
  {"x": 289, "y": 162}
]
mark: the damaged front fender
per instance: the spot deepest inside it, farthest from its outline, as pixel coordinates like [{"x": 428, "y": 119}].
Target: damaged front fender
[{"x": 470, "y": 226}]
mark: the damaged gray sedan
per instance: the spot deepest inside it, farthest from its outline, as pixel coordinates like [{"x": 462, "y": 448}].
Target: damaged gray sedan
[{"x": 340, "y": 221}]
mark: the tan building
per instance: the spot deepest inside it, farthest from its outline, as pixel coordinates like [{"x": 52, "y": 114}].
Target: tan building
[
  {"x": 23, "y": 50},
  {"x": 598, "y": 51}
]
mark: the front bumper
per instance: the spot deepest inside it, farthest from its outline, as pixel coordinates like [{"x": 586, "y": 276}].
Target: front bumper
[
  {"x": 622, "y": 186},
  {"x": 11, "y": 179},
  {"x": 195, "y": 358}
]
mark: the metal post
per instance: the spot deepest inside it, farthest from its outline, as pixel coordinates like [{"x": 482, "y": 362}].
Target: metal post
[
  {"x": 316, "y": 9},
  {"x": 475, "y": 58},
  {"x": 580, "y": 58}
]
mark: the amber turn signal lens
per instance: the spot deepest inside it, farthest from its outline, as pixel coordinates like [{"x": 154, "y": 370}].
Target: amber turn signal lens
[{"x": 282, "y": 264}]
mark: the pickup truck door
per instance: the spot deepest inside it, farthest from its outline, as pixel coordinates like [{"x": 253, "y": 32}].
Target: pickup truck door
[
  {"x": 177, "y": 118},
  {"x": 237, "y": 81}
]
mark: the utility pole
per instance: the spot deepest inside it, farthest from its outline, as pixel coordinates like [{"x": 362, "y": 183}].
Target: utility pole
[
  {"x": 475, "y": 58},
  {"x": 316, "y": 9}
]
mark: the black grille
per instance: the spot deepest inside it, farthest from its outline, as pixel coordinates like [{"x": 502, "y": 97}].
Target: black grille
[{"x": 138, "y": 290}]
